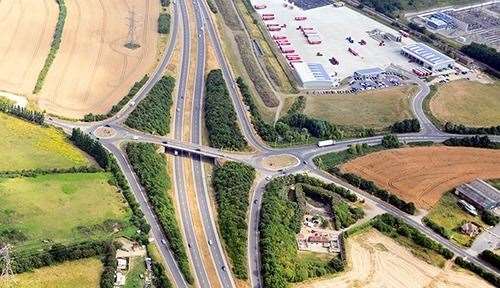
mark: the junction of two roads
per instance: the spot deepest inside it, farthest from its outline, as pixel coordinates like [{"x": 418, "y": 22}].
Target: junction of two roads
[{"x": 112, "y": 133}]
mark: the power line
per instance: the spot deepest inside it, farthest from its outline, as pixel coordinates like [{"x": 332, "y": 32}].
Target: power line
[{"x": 132, "y": 23}]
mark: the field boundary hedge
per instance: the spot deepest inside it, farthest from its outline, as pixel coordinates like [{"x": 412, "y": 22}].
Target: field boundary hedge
[
  {"x": 23, "y": 113},
  {"x": 54, "y": 46}
]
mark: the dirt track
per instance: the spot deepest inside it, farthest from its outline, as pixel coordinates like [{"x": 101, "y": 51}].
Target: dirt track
[
  {"x": 26, "y": 29},
  {"x": 423, "y": 174},
  {"x": 378, "y": 261},
  {"x": 93, "y": 70}
]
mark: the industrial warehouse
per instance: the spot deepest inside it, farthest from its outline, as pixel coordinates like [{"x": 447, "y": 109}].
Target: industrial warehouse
[{"x": 321, "y": 33}]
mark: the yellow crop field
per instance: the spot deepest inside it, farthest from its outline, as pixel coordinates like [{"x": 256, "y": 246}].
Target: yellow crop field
[{"x": 29, "y": 146}]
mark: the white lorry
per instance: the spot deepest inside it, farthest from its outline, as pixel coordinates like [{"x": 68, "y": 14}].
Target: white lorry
[{"x": 325, "y": 143}]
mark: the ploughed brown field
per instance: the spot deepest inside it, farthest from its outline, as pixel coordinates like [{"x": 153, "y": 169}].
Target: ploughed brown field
[{"x": 423, "y": 174}]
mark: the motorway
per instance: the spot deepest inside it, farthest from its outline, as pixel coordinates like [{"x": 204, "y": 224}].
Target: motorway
[{"x": 197, "y": 152}]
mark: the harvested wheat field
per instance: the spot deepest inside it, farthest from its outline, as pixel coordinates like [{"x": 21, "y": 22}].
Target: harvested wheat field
[
  {"x": 423, "y": 174},
  {"x": 27, "y": 27},
  {"x": 93, "y": 69},
  {"x": 378, "y": 261}
]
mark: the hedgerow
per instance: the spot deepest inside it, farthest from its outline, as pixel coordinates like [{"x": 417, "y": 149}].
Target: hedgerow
[{"x": 54, "y": 46}]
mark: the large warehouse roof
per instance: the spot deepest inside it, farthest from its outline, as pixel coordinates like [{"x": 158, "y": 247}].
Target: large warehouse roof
[
  {"x": 426, "y": 53},
  {"x": 311, "y": 72},
  {"x": 482, "y": 193}
]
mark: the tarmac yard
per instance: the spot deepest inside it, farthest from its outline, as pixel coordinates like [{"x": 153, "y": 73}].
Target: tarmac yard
[{"x": 334, "y": 25}]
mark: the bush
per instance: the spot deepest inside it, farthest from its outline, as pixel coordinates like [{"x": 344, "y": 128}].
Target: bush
[
  {"x": 164, "y": 23},
  {"x": 159, "y": 278},
  {"x": 152, "y": 114},
  {"x": 390, "y": 141},
  {"x": 436, "y": 228},
  {"x": 151, "y": 168},
  {"x": 165, "y": 3},
  {"x": 475, "y": 141},
  {"x": 490, "y": 277},
  {"x": 212, "y": 6},
  {"x": 489, "y": 218},
  {"x": 232, "y": 183},
  {"x": 54, "y": 46},
  {"x": 109, "y": 269},
  {"x": 220, "y": 117},
  {"x": 406, "y": 126},
  {"x": 490, "y": 257},
  {"x": 461, "y": 129}
]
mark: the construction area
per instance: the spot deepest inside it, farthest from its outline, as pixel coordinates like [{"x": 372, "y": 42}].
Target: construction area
[
  {"x": 324, "y": 43},
  {"x": 478, "y": 23}
]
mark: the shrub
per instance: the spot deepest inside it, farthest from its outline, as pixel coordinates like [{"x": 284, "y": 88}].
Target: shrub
[
  {"x": 461, "y": 129},
  {"x": 490, "y": 218},
  {"x": 390, "y": 141},
  {"x": 31, "y": 116},
  {"x": 164, "y": 23},
  {"x": 152, "y": 114},
  {"x": 483, "y": 53},
  {"x": 490, "y": 277},
  {"x": 406, "y": 126},
  {"x": 490, "y": 257},
  {"x": 220, "y": 117},
  {"x": 436, "y": 228},
  {"x": 475, "y": 141}
]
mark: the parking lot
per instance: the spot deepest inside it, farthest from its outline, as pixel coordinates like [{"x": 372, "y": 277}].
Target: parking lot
[
  {"x": 333, "y": 26},
  {"x": 382, "y": 81}
]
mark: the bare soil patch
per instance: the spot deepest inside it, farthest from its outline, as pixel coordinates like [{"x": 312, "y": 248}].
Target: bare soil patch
[
  {"x": 27, "y": 27},
  {"x": 378, "y": 261},
  {"x": 93, "y": 69},
  {"x": 278, "y": 162},
  {"x": 423, "y": 174}
]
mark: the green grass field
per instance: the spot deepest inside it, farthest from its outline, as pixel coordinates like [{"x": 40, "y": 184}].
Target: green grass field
[
  {"x": 374, "y": 109},
  {"x": 448, "y": 214},
  {"x": 83, "y": 273},
  {"x": 30, "y": 146},
  {"x": 62, "y": 208},
  {"x": 467, "y": 102},
  {"x": 137, "y": 268}
]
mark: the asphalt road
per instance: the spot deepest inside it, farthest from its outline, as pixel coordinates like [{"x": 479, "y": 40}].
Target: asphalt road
[{"x": 179, "y": 173}]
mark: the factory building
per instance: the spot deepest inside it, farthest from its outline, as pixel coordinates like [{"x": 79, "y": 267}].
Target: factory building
[
  {"x": 314, "y": 76},
  {"x": 368, "y": 73},
  {"x": 427, "y": 57}
]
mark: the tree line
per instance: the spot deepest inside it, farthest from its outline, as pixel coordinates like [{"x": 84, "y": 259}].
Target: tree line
[
  {"x": 151, "y": 169},
  {"x": 220, "y": 117},
  {"x": 164, "y": 23},
  {"x": 280, "y": 221},
  {"x": 232, "y": 183},
  {"x": 483, "y": 53},
  {"x": 152, "y": 114},
  {"x": 109, "y": 163},
  {"x": 109, "y": 266},
  {"x": 117, "y": 107},
  {"x": 24, "y": 261},
  {"x": 474, "y": 141},
  {"x": 462, "y": 129},
  {"x": 393, "y": 226},
  {"x": 20, "y": 112},
  {"x": 490, "y": 257},
  {"x": 54, "y": 46},
  {"x": 488, "y": 276},
  {"x": 436, "y": 227}
]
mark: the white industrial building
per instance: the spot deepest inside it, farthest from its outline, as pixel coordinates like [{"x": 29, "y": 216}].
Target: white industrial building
[
  {"x": 428, "y": 57},
  {"x": 314, "y": 76},
  {"x": 369, "y": 73}
]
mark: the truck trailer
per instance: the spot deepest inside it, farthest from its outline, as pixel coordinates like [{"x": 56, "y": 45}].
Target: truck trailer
[{"x": 326, "y": 143}]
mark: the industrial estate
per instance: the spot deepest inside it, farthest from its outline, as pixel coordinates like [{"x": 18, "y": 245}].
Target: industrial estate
[{"x": 249, "y": 143}]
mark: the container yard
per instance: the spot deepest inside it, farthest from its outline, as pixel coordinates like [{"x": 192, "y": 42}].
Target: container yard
[{"x": 326, "y": 34}]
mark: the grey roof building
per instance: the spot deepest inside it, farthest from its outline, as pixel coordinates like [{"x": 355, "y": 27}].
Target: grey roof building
[
  {"x": 428, "y": 57},
  {"x": 480, "y": 194},
  {"x": 367, "y": 73}
]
